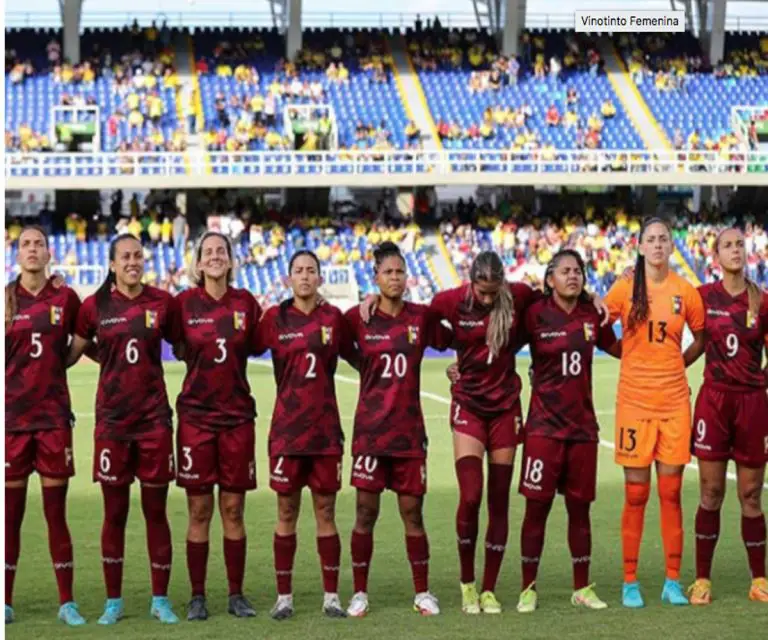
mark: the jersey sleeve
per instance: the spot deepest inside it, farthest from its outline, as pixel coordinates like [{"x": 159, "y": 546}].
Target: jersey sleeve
[
  {"x": 606, "y": 337},
  {"x": 87, "y": 319},
  {"x": 442, "y": 304},
  {"x": 617, "y": 297},
  {"x": 524, "y": 295},
  {"x": 526, "y": 328},
  {"x": 173, "y": 330},
  {"x": 261, "y": 336},
  {"x": 439, "y": 336},
  {"x": 694, "y": 309},
  {"x": 347, "y": 347},
  {"x": 72, "y": 310}
]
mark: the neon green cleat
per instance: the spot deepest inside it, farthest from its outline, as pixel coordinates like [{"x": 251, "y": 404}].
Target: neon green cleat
[
  {"x": 529, "y": 600},
  {"x": 586, "y": 597},
  {"x": 470, "y": 601},
  {"x": 489, "y": 604}
]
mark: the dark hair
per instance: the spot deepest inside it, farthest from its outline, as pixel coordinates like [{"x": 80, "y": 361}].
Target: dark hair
[
  {"x": 383, "y": 251},
  {"x": 640, "y": 303},
  {"x": 104, "y": 291},
  {"x": 193, "y": 271},
  {"x": 303, "y": 252},
  {"x": 12, "y": 290},
  {"x": 553, "y": 264},
  {"x": 488, "y": 267},
  {"x": 754, "y": 293}
]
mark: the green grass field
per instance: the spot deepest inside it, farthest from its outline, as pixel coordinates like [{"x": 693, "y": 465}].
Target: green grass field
[{"x": 732, "y": 615}]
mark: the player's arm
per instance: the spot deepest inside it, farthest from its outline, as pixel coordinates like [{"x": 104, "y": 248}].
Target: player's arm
[
  {"x": 348, "y": 346},
  {"x": 173, "y": 330},
  {"x": 616, "y": 298},
  {"x": 83, "y": 334},
  {"x": 607, "y": 341},
  {"x": 695, "y": 316}
]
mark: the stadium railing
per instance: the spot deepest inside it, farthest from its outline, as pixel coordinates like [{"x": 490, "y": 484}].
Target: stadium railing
[{"x": 383, "y": 168}]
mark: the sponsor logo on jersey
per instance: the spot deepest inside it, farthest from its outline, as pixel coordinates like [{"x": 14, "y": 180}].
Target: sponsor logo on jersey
[
  {"x": 239, "y": 320},
  {"x": 718, "y": 312},
  {"x": 57, "y": 313},
  {"x": 150, "y": 319},
  {"x": 677, "y": 305},
  {"x": 413, "y": 334},
  {"x": 470, "y": 323},
  {"x": 553, "y": 334},
  {"x": 21, "y": 316},
  {"x": 376, "y": 336},
  {"x": 290, "y": 336},
  {"x": 195, "y": 321},
  {"x": 326, "y": 335},
  {"x": 108, "y": 321},
  {"x": 589, "y": 331}
]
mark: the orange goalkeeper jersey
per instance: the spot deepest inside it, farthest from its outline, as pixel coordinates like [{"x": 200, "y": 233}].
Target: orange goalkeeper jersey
[{"x": 652, "y": 379}]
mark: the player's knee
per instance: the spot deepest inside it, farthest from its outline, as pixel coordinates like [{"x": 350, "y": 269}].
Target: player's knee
[
  {"x": 232, "y": 514},
  {"x": 287, "y": 512},
  {"x": 366, "y": 517},
  {"x": 637, "y": 494},
  {"x": 325, "y": 512},
  {"x": 712, "y": 496},
  {"x": 749, "y": 497},
  {"x": 413, "y": 518}
]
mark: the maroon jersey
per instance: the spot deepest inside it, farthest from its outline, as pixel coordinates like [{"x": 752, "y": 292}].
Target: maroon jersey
[
  {"x": 488, "y": 386},
  {"x": 562, "y": 346},
  {"x": 305, "y": 350},
  {"x": 36, "y": 346},
  {"x": 734, "y": 340},
  {"x": 131, "y": 399},
  {"x": 388, "y": 419},
  {"x": 218, "y": 337}
]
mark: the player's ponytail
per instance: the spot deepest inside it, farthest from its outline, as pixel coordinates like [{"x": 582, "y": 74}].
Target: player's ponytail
[
  {"x": 195, "y": 275},
  {"x": 383, "y": 251},
  {"x": 488, "y": 267},
  {"x": 584, "y": 295},
  {"x": 638, "y": 314},
  {"x": 104, "y": 291}
]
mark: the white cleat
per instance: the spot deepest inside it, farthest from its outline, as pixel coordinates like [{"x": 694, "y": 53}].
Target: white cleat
[
  {"x": 358, "y": 605},
  {"x": 332, "y": 606},
  {"x": 426, "y": 604},
  {"x": 283, "y": 608}
]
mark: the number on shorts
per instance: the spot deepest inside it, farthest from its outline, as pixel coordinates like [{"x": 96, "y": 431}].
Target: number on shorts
[
  {"x": 311, "y": 373},
  {"x": 732, "y": 344},
  {"x": 534, "y": 470},
  {"x": 278, "y": 470},
  {"x": 221, "y": 343},
  {"x": 571, "y": 364},
  {"x": 627, "y": 439},
  {"x": 105, "y": 464},
  {"x": 131, "y": 351},
  {"x": 37, "y": 346},
  {"x": 456, "y": 413},
  {"x": 186, "y": 453},
  {"x": 398, "y": 364},
  {"x": 367, "y": 463},
  {"x": 701, "y": 430}
]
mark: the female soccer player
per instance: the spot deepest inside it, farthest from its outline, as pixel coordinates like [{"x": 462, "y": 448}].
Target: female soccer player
[
  {"x": 653, "y": 412},
  {"x": 306, "y": 443},
  {"x": 561, "y": 432},
  {"x": 133, "y": 436},
  {"x": 39, "y": 319},
  {"x": 389, "y": 444},
  {"x": 731, "y": 416},
  {"x": 216, "y": 436}
]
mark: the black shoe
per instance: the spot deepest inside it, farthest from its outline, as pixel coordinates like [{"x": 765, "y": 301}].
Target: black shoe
[
  {"x": 197, "y": 609},
  {"x": 240, "y": 607}
]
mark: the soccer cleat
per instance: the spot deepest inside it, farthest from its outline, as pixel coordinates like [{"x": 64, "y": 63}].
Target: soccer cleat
[
  {"x": 332, "y": 606},
  {"x": 240, "y": 607},
  {"x": 489, "y": 604},
  {"x": 529, "y": 600},
  {"x": 69, "y": 614},
  {"x": 358, "y": 605},
  {"x": 470, "y": 601},
  {"x": 700, "y": 592},
  {"x": 162, "y": 610},
  {"x": 8, "y": 614},
  {"x": 631, "y": 596},
  {"x": 426, "y": 604},
  {"x": 197, "y": 609},
  {"x": 113, "y": 611},
  {"x": 586, "y": 597},
  {"x": 673, "y": 593},
  {"x": 283, "y": 608},
  {"x": 758, "y": 592}
]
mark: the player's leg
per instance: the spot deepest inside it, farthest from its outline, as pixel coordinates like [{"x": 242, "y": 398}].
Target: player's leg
[
  {"x": 200, "y": 505},
  {"x": 366, "y": 514},
  {"x": 750, "y": 487},
  {"x": 325, "y": 482},
  {"x": 411, "y": 509},
  {"x": 712, "y": 477}
]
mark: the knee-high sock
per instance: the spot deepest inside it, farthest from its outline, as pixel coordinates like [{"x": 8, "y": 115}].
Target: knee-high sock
[
  {"x": 632, "y": 521},
  {"x": 499, "y": 483},
  {"x": 579, "y": 540},
  {"x": 707, "y": 534},
  {"x": 671, "y": 523},
  {"x": 59, "y": 540},
  {"x": 117, "y": 502},
  {"x": 234, "y": 559},
  {"x": 532, "y": 538},
  {"x": 469, "y": 472},
  {"x": 753, "y": 534},
  {"x": 197, "y": 566},
  {"x": 329, "y": 550},
  {"x": 284, "y": 548},
  {"x": 418, "y": 555},
  {"x": 361, "y": 547},
  {"x": 153, "y": 503},
  {"x": 15, "y": 504}
]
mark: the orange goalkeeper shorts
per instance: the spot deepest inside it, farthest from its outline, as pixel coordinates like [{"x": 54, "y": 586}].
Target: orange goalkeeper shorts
[{"x": 640, "y": 440}]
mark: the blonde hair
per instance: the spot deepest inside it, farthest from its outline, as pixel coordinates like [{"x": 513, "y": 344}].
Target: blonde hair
[
  {"x": 195, "y": 275},
  {"x": 488, "y": 267}
]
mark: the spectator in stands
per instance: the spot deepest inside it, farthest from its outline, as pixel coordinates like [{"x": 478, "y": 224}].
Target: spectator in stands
[
  {"x": 608, "y": 108},
  {"x": 552, "y": 118}
]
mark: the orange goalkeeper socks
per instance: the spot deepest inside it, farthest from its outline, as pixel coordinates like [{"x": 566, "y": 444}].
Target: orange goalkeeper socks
[
  {"x": 632, "y": 520},
  {"x": 671, "y": 523}
]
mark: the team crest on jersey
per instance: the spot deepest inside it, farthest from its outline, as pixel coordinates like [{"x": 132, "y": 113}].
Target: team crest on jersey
[
  {"x": 239, "y": 320},
  {"x": 751, "y": 320},
  {"x": 677, "y": 305},
  {"x": 57, "y": 313},
  {"x": 326, "y": 335},
  {"x": 150, "y": 319},
  {"x": 413, "y": 334},
  {"x": 589, "y": 331}
]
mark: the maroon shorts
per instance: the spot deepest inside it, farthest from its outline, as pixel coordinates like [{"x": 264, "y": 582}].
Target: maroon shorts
[
  {"x": 49, "y": 452},
  {"x": 731, "y": 426},
  {"x": 565, "y": 466},
  {"x": 406, "y": 476},
  {"x": 289, "y": 474},
  {"x": 119, "y": 462},
  {"x": 499, "y": 432},
  {"x": 226, "y": 457}
]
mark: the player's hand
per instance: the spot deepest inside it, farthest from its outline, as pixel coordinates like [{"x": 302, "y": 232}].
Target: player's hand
[
  {"x": 320, "y": 301},
  {"x": 628, "y": 274},
  {"x": 264, "y": 310},
  {"x": 453, "y": 373},
  {"x": 58, "y": 281},
  {"x": 368, "y": 307},
  {"x": 602, "y": 309}
]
